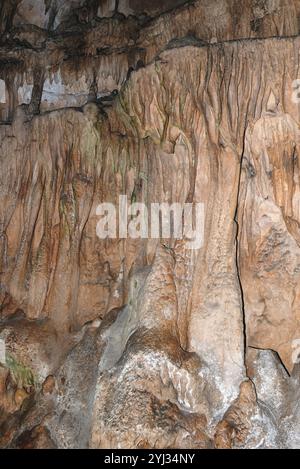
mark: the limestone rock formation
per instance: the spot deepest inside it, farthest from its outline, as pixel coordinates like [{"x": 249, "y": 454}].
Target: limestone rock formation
[{"x": 131, "y": 342}]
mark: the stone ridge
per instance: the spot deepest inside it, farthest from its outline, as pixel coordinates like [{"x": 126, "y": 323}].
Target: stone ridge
[{"x": 100, "y": 52}]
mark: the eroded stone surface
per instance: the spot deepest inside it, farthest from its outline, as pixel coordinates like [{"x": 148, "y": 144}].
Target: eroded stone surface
[{"x": 146, "y": 343}]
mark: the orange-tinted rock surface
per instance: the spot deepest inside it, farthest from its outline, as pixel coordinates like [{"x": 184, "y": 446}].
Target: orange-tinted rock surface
[{"x": 146, "y": 343}]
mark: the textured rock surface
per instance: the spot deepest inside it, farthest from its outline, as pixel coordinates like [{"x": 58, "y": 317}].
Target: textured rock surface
[{"x": 145, "y": 343}]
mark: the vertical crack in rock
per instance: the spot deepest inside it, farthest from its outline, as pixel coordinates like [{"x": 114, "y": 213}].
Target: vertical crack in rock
[{"x": 237, "y": 251}]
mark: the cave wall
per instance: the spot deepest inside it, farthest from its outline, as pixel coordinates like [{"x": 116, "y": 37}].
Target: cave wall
[{"x": 193, "y": 103}]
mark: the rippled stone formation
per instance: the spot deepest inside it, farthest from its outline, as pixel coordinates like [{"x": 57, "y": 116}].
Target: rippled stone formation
[{"x": 145, "y": 343}]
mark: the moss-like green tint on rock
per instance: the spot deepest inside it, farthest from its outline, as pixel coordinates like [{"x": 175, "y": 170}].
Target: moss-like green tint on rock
[{"x": 22, "y": 375}]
